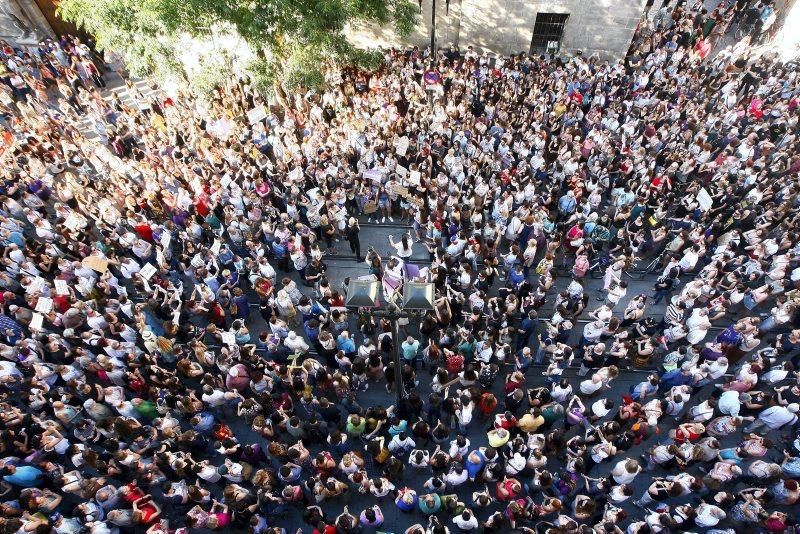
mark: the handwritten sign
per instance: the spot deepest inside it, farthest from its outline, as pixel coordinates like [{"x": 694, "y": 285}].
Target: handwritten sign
[
  {"x": 166, "y": 239},
  {"x": 61, "y": 287},
  {"x": 373, "y": 174},
  {"x": 95, "y": 263},
  {"x": 295, "y": 174},
  {"x": 37, "y": 285},
  {"x": 401, "y": 146},
  {"x": 704, "y": 199},
  {"x": 257, "y": 114},
  {"x": 37, "y": 321},
  {"x": 148, "y": 271},
  {"x": 74, "y": 221},
  {"x": 400, "y": 190},
  {"x": 44, "y": 305},
  {"x": 414, "y": 177},
  {"x": 225, "y": 181},
  {"x": 401, "y": 171},
  {"x": 221, "y": 128},
  {"x": 229, "y": 338}
]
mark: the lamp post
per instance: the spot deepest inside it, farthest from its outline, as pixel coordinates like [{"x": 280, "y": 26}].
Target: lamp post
[
  {"x": 417, "y": 296},
  {"x": 433, "y": 30}
]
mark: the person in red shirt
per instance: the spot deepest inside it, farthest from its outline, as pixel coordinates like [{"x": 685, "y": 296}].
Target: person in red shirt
[
  {"x": 202, "y": 208},
  {"x": 323, "y": 528},
  {"x": 144, "y": 231},
  {"x": 505, "y": 420}
]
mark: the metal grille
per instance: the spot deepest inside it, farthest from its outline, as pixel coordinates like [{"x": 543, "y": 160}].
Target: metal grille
[{"x": 547, "y": 32}]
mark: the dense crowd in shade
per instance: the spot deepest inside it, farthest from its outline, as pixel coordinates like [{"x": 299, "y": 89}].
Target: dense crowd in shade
[{"x": 175, "y": 358}]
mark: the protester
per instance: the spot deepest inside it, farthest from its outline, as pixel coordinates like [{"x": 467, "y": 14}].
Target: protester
[{"x": 139, "y": 389}]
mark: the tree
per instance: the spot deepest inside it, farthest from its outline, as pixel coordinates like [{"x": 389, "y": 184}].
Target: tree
[{"x": 291, "y": 39}]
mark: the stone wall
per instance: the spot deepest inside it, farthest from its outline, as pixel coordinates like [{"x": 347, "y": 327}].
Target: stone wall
[
  {"x": 604, "y": 27},
  {"x": 22, "y": 23}
]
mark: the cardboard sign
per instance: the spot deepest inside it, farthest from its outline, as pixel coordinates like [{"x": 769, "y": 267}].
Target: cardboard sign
[
  {"x": 37, "y": 321},
  {"x": 95, "y": 263},
  {"x": 44, "y": 305},
  {"x": 414, "y": 177},
  {"x": 370, "y": 207},
  {"x": 704, "y": 199},
  {"x": 148, "y": 271},
  {"x": 61, "y": 287},
  {"x": 401, "y": 146},
  {"x": 257, "y": 114},
  {"x": 229, "y": 338},
  {"x": 400, "y": 190}
]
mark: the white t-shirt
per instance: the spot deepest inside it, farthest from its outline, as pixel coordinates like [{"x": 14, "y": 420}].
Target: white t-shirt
[{"x": 708, "y": 515}]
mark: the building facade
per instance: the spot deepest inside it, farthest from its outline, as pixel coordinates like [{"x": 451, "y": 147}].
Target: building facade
[{"x": 602, "y": 27}]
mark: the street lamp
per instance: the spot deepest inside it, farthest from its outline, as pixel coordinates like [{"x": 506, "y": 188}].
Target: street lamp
[{"x": 417, "y": 296}]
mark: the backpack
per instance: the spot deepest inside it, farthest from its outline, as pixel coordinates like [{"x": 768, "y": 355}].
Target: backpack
[{"x": 581, "y": 266}]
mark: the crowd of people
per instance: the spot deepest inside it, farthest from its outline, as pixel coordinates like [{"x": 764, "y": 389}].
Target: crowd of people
[{"x": 174, "y": 354}]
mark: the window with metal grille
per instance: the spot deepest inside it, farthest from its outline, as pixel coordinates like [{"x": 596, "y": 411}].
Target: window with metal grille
[{"x": 547, "y": 32}]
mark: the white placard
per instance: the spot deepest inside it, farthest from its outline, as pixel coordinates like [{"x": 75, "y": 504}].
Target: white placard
[
  {"x": 373, "y": 174},
  {"x": 160, "y": 258},
  {"x": 704, "y": 199},
  {"x": 257, "y": 114},
  {"x": 147, "y": 271},
  {"x": 166, "y": 239},
  {"x": 37, "y": 321},
  {"x": 401, "y": 171},
  {"x": 229, "y": 338},
  {"x": 414, "y": 177},
  {"x": 295, "y": 174},
  {"x": 74, "y": 221},
  {"x": 85, "y": 285},
  {"x": 332, "y": 171},
  {"x": 215, "y": 247},
  {"x": 61, "y": 287},
  {"x": 37, "y": 285},
  {"x": 225, "y": 181},
  {"x": 312, "y": 193},
  {"x": 221, "y": 128},
  {"x": 44, "y": 305},
  {"x": 401, "y": 146}
]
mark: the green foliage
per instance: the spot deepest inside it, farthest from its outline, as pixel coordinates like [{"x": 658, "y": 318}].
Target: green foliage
[
  {"x": 293, "y": 39},
  {"x": 213, "y": 71}
]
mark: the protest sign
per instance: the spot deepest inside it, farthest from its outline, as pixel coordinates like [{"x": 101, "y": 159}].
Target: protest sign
[
  {"x": 61, "y": 287},
  {"x": 44, "y": 305},
  {"x": 36, "y": 321},
  {"x": 148, "y": 271},
  {"x": 96, "y": 263},
  {"x": 257, "y": 114}
]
